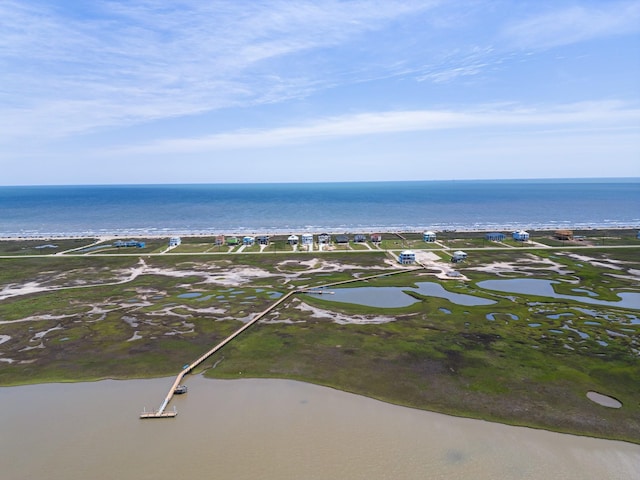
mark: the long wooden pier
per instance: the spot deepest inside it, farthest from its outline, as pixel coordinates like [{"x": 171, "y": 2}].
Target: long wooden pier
[{"x": 161, "y": 413}]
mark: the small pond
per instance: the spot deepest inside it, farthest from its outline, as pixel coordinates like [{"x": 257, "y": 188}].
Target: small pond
[
  {"x": 492, "y": 316},
  {"x": 558, "y": 316},
  {"x": 544, "y": 288},
  {"x": 395, "y": 297},
  {"x": 190, "y": 295},
  {"x": 582, "y": 335},
  {"x": 604, "y": 400}
]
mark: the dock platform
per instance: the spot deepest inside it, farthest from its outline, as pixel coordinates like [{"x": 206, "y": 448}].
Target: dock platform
[{"x": 160, "y": 414}]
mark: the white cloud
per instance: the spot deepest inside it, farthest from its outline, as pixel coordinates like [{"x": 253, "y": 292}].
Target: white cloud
[
  {"x": 575, "y": 24},
  {"x": 580, "y": 115}
]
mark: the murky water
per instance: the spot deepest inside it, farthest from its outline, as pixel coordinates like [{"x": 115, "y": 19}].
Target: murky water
[{"x": 274, "y": 429}]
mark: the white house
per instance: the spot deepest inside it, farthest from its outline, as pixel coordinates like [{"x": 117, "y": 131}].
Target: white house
[
  {"x": 292, "y": 240},
  {"x": 407, "y": 257},
  {"x": 521, "y": 236},
  {"x": 458, "y": 256},
  {"x": 429, "y": 236},
  {"x": 175, "y": 241},
  {"x": 307, "y": 239}
]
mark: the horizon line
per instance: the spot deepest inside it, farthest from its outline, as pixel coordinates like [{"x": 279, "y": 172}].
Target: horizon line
[{"x": 325, "y": 182}]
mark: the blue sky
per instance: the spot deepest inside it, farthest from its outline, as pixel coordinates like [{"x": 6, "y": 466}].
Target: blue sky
[{"x": 192, "y": 91}]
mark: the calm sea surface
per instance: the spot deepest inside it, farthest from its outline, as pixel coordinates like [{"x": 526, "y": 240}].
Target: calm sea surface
[
  {"x": 384, "y": 206},
  {"x": 274, "y": 430}
]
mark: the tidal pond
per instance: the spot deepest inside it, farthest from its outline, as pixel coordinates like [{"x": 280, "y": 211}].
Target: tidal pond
[
  {"x": 604, "y": 400},
  {"x": 274, "y": 429},
  {"x": 395, "y": 297},
  {"x": 544, "y": 288}
]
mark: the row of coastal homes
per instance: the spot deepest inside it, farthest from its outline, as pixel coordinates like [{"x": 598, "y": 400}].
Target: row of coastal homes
[
  {"x": 408, "y": 257},
  {"x": 325, "y": 239},
  {"x": 518, "y": 236},
  {"x": 246, "y": 240}
]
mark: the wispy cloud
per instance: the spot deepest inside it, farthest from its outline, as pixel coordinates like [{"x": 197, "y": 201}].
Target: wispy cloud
[
  {"x": 580, "y": 115},
  {"x": 117, "y": 63},
  {"x": 562, "y": 26}
]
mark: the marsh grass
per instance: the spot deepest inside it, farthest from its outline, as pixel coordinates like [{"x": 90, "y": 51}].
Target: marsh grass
[{"x": 458, "y": 362}]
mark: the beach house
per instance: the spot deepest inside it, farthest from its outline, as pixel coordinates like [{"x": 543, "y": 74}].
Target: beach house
[
  {"x": 220, "y": 240},
  {"x": 263, "y": 239},
  {"x": 292, "y": 240},
  {"x": 429, "y": 236},
  {"x": 128, "y": 243},
  {"x": 521, "y": 236},
  {"x": 307, "y": 239},
  {"x": 407, "y": 257},
  {"x": 175, "y": 241},
  {"x": 248, "y": 241},
  {"x": 376, "y": 238},
  {"x": 495, "y": 236},
  {"x": 359, "y": 238},
  {"x": 563, "y": 234},
  {"x": 458, "y": 256},
  {"x": 342, "y": 239},
  {"x": 324, "y": 238},
  {"x": 232, "y": 241}
]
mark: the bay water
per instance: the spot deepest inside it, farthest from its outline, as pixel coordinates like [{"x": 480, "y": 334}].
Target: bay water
[{"x": 274, "y": 430}]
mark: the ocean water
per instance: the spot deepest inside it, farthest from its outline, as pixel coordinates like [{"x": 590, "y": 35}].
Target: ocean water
[{"x": 314, "y": 207}]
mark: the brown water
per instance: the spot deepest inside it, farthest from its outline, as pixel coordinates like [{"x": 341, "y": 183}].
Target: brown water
[{"x": 274, "y": 429}]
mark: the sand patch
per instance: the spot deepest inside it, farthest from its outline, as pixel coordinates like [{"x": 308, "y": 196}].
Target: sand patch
[
  {"x": 41, "y": 335},
  {"x": 135, "y": 336},
  {"x": 36, "y": 318},
  {"x": 612, "y": 264},
  {"x": 445, "y": 270},
  {"x": 341, "y": 318},
  {"x": 527, "y": 265},
  {"x": 315, "y": 265}
]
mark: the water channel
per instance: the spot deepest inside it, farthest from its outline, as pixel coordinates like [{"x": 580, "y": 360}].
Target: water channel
[
  {"x": 544, "y": 288},
  {"x": 274, "y": 429},
  {"x": 395, "y": 297}
]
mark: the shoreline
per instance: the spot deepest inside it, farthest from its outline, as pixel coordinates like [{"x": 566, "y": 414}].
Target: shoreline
[{"x": 281, "y": 232}]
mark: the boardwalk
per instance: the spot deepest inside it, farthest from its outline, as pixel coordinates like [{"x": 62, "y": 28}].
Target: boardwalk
[{"x": 162, "y": 413}]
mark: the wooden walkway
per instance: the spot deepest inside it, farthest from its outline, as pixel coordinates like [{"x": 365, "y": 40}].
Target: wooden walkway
[{"x": 162, "y": 413}]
